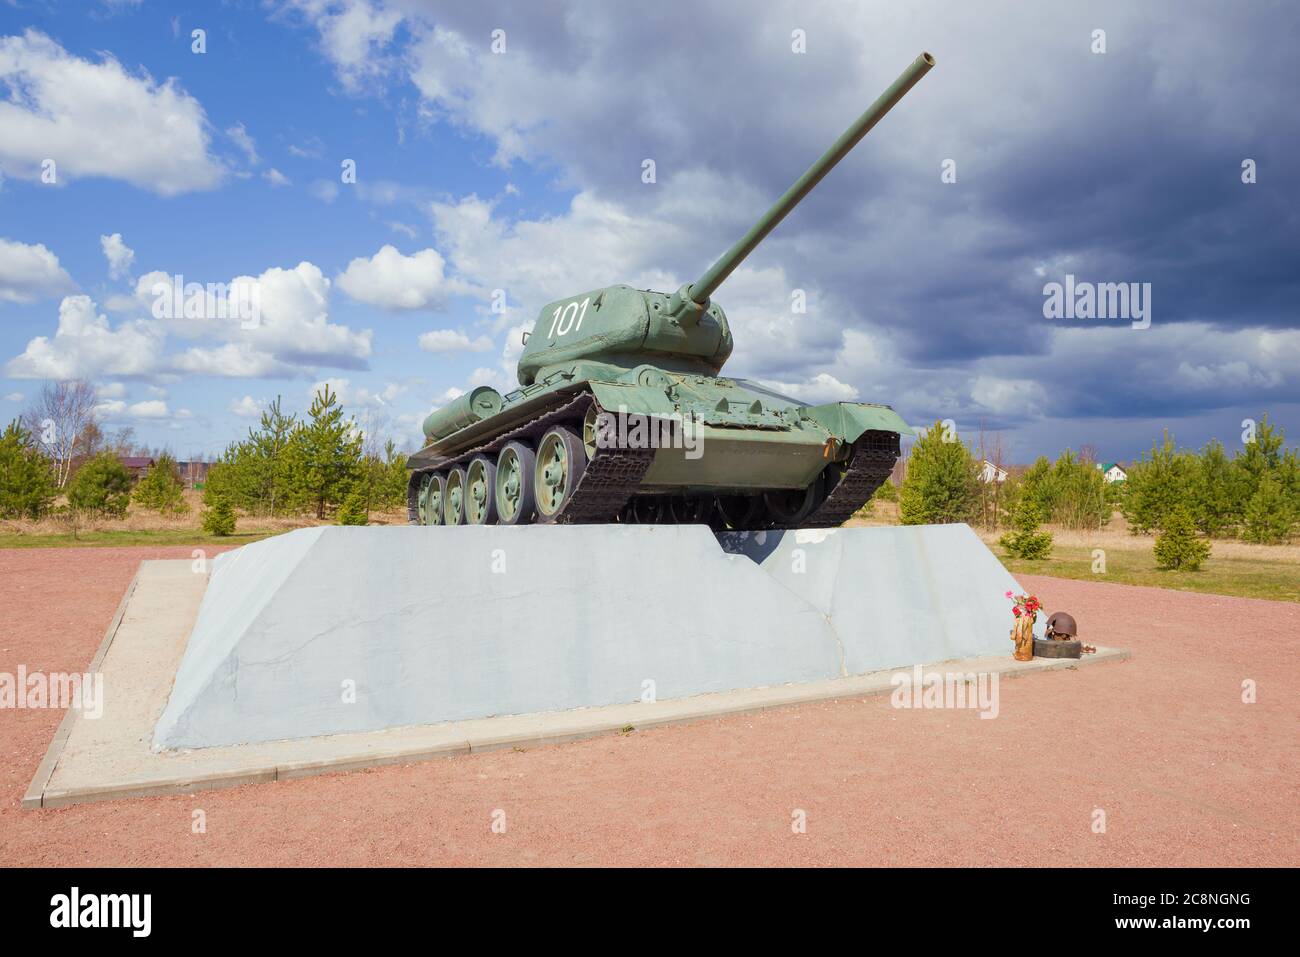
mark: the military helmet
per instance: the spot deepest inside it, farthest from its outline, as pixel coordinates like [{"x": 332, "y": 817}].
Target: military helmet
[{"x": 1062, "y": 624}]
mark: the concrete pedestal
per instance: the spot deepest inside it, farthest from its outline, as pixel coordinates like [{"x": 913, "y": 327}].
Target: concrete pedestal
[{"x": 341, "y": 629}]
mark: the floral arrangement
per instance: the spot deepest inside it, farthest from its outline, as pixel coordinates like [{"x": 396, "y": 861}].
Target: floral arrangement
[
  {"x": 1025, "y": 608},
  {"x": 1025, "y": 605}
]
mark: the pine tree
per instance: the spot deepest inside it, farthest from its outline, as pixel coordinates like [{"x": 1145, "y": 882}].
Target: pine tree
[
  {"x": 1026, "y": 541},
  {"x": 353, "y": 510},
  {"x": 1156, "y": 485},
  {"x": 219, "y": 517},
  {"x": 1216, "y": 508},
  {"x": 1078, "y": 492},
  {"x": 393, "y": 482},
  {"x": 267, "y": 462},
  {"x": 101, "y": 486},
  {"x": 27, "y": 485},
  {"x": 1270, "y": 514},
  {"x": 1263, "y": 456},
  {"x": 324, "y": 454},
  {"x": 1039, "y": 486},
  {"x": 1177, "y": 545},
  {"x": 941, "y": 484},
  {"x": 161, "y": 489},
  {"x": 221, "y": 481}
]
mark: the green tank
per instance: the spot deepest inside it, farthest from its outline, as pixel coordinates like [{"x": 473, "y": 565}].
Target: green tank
[{"x": 622, "y": 416}]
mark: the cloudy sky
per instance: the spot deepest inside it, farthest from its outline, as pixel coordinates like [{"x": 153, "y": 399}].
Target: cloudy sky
[{"x": 499, "y": 150}]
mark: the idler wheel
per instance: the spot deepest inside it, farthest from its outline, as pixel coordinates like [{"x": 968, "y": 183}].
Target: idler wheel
[
  {"x": 515, "y": 502},
  {"x": 453, "y": 507},
  {"x": 561, "y": 460},
  {"x": 480, "y": 491}
]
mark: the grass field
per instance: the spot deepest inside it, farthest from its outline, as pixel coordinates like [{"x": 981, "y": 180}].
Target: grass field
[
  {"x": 1234, "y": 568},
  {"x": 140, "y": 527},
  {"x": 1277, "y": 580},
  {"x": 124, "y": 537}
]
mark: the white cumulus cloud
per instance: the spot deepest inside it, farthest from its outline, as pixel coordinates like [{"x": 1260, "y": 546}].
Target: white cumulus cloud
[
  {"x": 149, "y": 409},
  {"x": 244, "y": 141},
  {"x": 30, "y": 272},
  {"x": 292, "y": 326},
  {"x": 821, "y": 388},
  {"x": 394, "y": 281},
  {"x": 453, "y": 340},
  {"x": 246, "y": 408},
  {"x": 120, "y": 256},
  {"x": 85, "y": 346},
  {"x": 353, "y": 34},
  {"x": 98, "y": 119},
  {"x": 291, "y": 330},
  {"x": 359, "y": 396}
]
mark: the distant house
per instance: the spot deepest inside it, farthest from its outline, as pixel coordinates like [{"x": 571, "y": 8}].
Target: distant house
[
  {"x": 1112, "y": 471},
  {"x": 991, "y": 473},
  {"x": 137, "y": 465}
]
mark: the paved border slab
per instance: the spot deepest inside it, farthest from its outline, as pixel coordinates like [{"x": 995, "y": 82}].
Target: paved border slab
[
  {"x": 32, "y": 798},
  {"x": 110, "y": 757}
]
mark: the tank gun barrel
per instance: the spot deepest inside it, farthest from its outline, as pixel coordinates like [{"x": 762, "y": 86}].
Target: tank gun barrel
[{"x": 699, "y": 291}]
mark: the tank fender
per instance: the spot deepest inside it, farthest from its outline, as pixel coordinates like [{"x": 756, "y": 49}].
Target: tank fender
[
  {"x": 848, "y": 420},
  {"x": 647, "y": 400}
]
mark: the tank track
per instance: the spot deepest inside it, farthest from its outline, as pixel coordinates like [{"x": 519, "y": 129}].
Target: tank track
[
  {"x": 874, "y": 454},
  {"x": 610, "y": 478}
]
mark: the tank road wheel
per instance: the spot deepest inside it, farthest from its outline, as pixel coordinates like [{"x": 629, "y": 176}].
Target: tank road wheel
[
  {"x": 689, "y": 511},
  {"x": 788, "y": 507},
  {"x": 422, "y": 499},
  {"x": 480, "y": 491},
  {"x": 590, "y": 433},
  {"x": 417, "y": 484},
  {"x": 431, "y": 498},
  {"x": 644, "y": 510},
  {"x": 739, "y": 512},
  {"x": 561, "y": 460},
  {"x": 515, "y": 503},
  {"x": 453, "y": 506},
  {"x": 417, "y": 488}
]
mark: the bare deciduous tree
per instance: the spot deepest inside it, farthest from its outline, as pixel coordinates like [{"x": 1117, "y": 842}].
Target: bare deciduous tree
[
  {"x": 121, "y": 442},
  {"x": 990, "y": 451},
  {"x": 998, "y": 458},
  {"x": 61, "y": 420}
]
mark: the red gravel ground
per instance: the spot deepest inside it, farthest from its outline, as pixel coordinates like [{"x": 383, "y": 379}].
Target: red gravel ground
[{"x": 1186, "y": 773}]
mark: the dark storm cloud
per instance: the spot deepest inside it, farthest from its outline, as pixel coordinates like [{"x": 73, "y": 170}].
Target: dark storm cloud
[{"x": 1122, "y": 166}]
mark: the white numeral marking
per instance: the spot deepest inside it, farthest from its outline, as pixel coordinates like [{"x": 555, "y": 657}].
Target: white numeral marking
[{"x": 563, "y": 317}]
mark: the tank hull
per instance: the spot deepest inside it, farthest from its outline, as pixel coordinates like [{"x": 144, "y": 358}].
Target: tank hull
[{"x": 666, "y": 446}]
